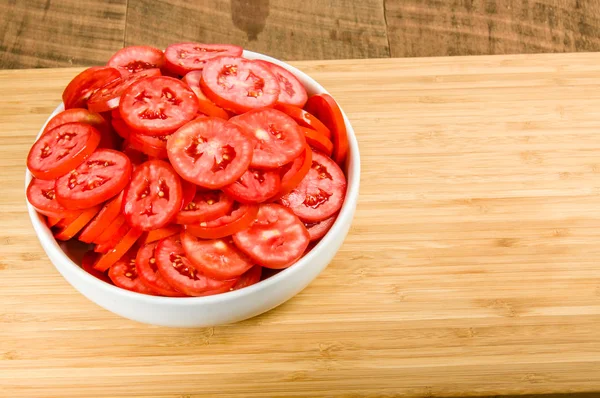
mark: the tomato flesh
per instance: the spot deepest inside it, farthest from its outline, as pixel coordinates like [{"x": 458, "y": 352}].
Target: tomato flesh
[
  {"x": 41, "y": 194},
  {"x": 182, "y": 58},
  {"x": 327, "y": 110},
  {"x": 81, "y": 88},
  {"x": 249, "y": 278},
  {"x": 321, "y": 193},
  {"x": 155, "y": 146},
  {"x": 205, "y": 106},
  {"x": 318, "y": 229},
  {"x": 110, "y": 211},
  {"x": 134, "y": 59},
  {"x": 62, "y": 149},
  {"x": 291, "y": 91},
  {"x": 254, "y": 186},
  {"x": 237, "y": 219},
  {"x": 276, "y": 239},
  {"x": 217, "y": 258},
  {"x": 153, "y": 197},
  {"x": 293, "y": 172},
  {"x": 210, "y": 152},
  {"x": 121, "y": 248},
  {"x": 205, "y": 206},
  {"x": 124, "y": 275},
  {"x": 304, "y": 119},
  {"x": 147, "y": 271},
  {"x": 162, "y": 233},
  {"x": 100, "y": 177},
  {"x": 317, "y": 141},
  {"x": 79, "y": 115},
  {"x": 76, "y": 225}
]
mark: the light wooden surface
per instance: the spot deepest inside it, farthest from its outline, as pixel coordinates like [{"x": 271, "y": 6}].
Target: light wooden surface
[
  {"x": 46, "y": 33},
  {"x": 472, "y": 266}
]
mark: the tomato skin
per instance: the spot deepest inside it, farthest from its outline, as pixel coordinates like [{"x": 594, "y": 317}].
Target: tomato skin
[
  {"x": 100, "y": 177},
  {"x": 304, "y": 119},
  {"x": 291, "y": 91},
  {"x": 254, "y": 186},
  {"x": 276, "y": 239},
  {"x": 188, "y": 193},
  {"x": 238, "y": 84},
  {"x": 124, "y": 275},
  {"x": 182, "y": 58},
  {"x": 239, "y": 218},
  {"x": 153, "y": 196},
  {"x": 149, "y": 145},
  {"x": 52, "y": 221},
  {"x": 110, "y": 211},
  {"x": 161, "y": 233},
  {"x": 205, "y": 206},
  {"x": 218, "y": 258},
  {"x": 108, "y": 259},
  {"x": 41, "y": 194},
  {"x": 321, "y": 193},
  {"x": 294, "y": 172},
  {"x": 79, "y": 115},
  {"x": 81, "y": 88},
  {"x": 112, "y": 241},
  {"x": 74, "y": 227},
  {"x": 317, "y": 141},
  {"x": 249, "y": 278},
  {"x": 177, "y": 270},
  {"x": 327, "y": 110},
  {"x": 134, "y": 59},
  {"x": 62, "y": 149},
  {"x": 320, "y": 228},
  {"x": 145, "y": 264},
  {"x": 205, "y": 106}
]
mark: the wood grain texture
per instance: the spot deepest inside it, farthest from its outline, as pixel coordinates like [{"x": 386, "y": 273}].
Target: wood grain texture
[
  {"x": 418, "y": 28},
  {"x": 308, "y": 29},
  {"x": 471, "y": 267},
  {"x": 49, "y": 33}
]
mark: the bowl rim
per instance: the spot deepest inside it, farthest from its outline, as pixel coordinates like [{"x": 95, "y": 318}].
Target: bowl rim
[{"x": 53, "y": 249}]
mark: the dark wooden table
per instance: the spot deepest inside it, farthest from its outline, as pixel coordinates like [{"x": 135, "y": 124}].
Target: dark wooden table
[{"x": 51, "y": 33}]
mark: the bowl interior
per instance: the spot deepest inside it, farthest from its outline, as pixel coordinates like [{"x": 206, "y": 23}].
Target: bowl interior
[{"x": 69, "y": 253}]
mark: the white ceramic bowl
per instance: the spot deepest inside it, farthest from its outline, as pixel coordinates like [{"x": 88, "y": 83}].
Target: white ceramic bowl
[{"x": 222, "y": 308}]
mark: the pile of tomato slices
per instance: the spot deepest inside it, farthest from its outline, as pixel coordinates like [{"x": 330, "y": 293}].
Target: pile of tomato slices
[{"x": 188, "y": 171}]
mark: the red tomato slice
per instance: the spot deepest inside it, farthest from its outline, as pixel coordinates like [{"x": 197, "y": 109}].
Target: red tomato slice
[
  {"x": 41, "y": 194},
  {"x": 249, "y": 278},
  {"x": 205, "y": 206},
  {"x": 136, "y": 157},
  {"x": 79, "y": 115},
  {"x": 318, "y": 229},
  {"x": 153, "y": 197},
  {"x": 108, "y": 97},
  {"x": 87, "y": 263},
  {"x": 121, "y": 128},
  {"x": 145, "y": 265},
  {"x": 218, "y": 259},
  {"x": 206, "y": 107},
  {"x": 188, "y": 193},
  {"x": 68, "y": 219},
  {"x": 109, "y": 233},
  {"x": 293, "y": 172},
  {"x": 304, "y": 119},
  {"x": 161, "y": 233},
  {"x": 100, "y": 177},
  {"x": 110, "y": 211},
  {"x": 185, "y": 57},
  {"x": 113, "y": 240},
  {"x": 151, "y": 146},
  {"x": 62, "y": 149},
  {"x": 237, "y": 219},
  {"x": 158, "y": 105},
  {"x": 317, "y": 141},
  {"x": 254, "y": 186},
  {"x": 135, "y": 59},
  {"x": 81, "y": 88},
  {"x": 124, "y": 275},
  {"x": 321, "y": 193},
  {"x": 74, "y": 227},
  {"x": 291, "y": 91},
  {"x": 108, "y": 259},
  {"x": 276, "y": 239},
  {"x": 52, "y": 221},
  {"x": 238, "y": 84},
  {"x": 327, "y": 110},
  {"x": 177, "y": 270},
  {"x": 210, "y": 152},
  {"x": 277, "y": 138}
]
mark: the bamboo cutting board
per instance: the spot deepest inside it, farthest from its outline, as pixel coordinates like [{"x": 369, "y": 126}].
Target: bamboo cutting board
[{"x": 472, "y": 266}]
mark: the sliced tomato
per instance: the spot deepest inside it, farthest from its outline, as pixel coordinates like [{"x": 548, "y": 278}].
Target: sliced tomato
[
  {"x": 205, "y": 106},
  {"x": 152, "y": 146},
  {"x": 216, "y": 258},
  {"x": 254, "y": 186},
  {"x": 68, "y": 219},
  {"x": 145, "y": 265},
  {"x": 205, "y": 206},
  {"x": 41, "y": 194},
  {"x": 304, "y": 119},
  {"x": 293, "y": 172},
  {"x": 110, "y": 211},
  {"x": 249, "y": 278},
  {"x": 291, "y": 91},
  {"x": 113, "y": 240},
  {"x": 277, "y": 138},
  {"x": 238, "y": 84},
  {"x": 136, "y": 157},
  {"x": 108, "y": 97},
  {"x": 52, "y": 221},
  {"x": 177, "y": 270},
  {"x": 62, "y": 149},
  {"x": 100, "y": 177},
  {"x": 158, "y": 105},
  {"x": 162, "y": 233},
  {"x": 87, "y": 263},
  {"x": 134, "y": 59},
  {"x": 188, "y": 193},
  {"x": 185, "y": 57},
  {"x": 108, "y": 259},
  {"x": 79, "y": 115},
  {"x": 321, "y": 193},
  {"x": 276, "y": 239},
  {"x": 81, "y": 88},
  {"x": 210, "y": 152},
  {"x": 317, "y": 141},
  {"x": 121, "y": 128},
  {"x": 111, "y": 230},
  {"x": 77, "y": 225},
  {"x": 318, "y": 229},
  {"x": 153, "y": 197},
  {"x": 237, "y": 219},
  {"x": 124, "y": 275},
  {"x": 327, "y": 110}
]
